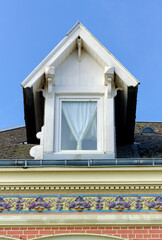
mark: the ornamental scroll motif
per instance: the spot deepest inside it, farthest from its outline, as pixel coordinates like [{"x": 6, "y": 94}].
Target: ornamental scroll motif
[{"x": 76, "y": 203}]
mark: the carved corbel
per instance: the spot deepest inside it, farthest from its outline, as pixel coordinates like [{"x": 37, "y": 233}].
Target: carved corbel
[
  {"x": 79, "y": 45},
  {"x": 49, "y": 75},
  {"x": 117, "y": 89},
  {"x": 109, "y": 80},
  {"x": 37, "y": 151}
]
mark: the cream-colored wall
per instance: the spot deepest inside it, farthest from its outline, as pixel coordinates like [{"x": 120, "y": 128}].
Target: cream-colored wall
[{"x": 98, "y": 178}]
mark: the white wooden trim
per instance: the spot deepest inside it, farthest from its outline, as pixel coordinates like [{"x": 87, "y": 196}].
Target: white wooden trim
[
  {"x": 68, "y": 41},
  {"x": 49, "y": 119}
]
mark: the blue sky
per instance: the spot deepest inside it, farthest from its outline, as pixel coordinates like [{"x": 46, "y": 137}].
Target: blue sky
[{"x": 130, "y": 29}]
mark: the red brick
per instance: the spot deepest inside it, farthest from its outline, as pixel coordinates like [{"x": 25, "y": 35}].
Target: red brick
[
  {"x": 139, "y": 227},
  {"x": 46, "y": 232},
  {"x": 155, "y": 231},
  {"x": 108, "y": 227},
  {"x": 94, "y": 231},
  {"x": 139, "y": 236},
  {"x": 31, "y": 236},
  {"x": 116, "y": 235},
  {"x": 31, "y": 232},
  {"x": 124, "y": 235},
  {"x": 131, "y": 236},
  {"x": 147, "y": 228},
  {"x": 156, "y": 227},
  {"x": 62, "y": 228},
  {"x": 139, "y": 239},
  {"x": 16, "y": 232},
  {"x": 78, "y": 231},
  {"x": 62, "y": 231},
  {"x": 24, "y": 237},
  {"x": 155, "y": 235},
  {"x": 153, "y": 238},
  {"x": 147, "y": 236},
  {"x": 109, "y": 232},
  {"x": 15, "y": 236},
  {"x": 125, "y": 231},
  {"x": 2, "y": 232},
  {"x": 140, "y": 231}
]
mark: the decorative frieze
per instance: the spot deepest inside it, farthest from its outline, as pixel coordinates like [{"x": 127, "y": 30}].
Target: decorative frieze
[{"x": 80, "y": 203}]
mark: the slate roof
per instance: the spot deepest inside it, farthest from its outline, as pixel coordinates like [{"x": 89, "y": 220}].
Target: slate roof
[
  {"x": 13, "y": 143},
  {"x": 145, "y": 145}
]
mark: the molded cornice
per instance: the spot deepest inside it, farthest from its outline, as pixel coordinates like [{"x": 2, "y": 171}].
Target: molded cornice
[{"x": 119, "y": 178}]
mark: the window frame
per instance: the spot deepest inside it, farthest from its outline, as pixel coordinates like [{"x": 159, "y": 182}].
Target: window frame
[{"x": 58, "y": 121}]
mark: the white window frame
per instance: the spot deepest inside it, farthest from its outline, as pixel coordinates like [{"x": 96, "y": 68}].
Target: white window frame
[{"x": 58, "y": 121}]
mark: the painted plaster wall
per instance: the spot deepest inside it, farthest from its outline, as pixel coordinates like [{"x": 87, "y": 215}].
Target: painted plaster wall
[
  {"x": 74, "y": 73},
  {"x": 132, "y": 233}
]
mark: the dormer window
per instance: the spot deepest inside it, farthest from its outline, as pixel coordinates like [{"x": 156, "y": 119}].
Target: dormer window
[
  {"x": 78, "y": 126},
  {"x": 78, "y": 82}
]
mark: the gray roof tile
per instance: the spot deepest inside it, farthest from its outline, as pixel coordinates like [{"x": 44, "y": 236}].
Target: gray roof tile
[{"x": 13, "y": 143}]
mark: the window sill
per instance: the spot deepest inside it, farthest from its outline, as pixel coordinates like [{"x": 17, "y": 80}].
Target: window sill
[{"x": 81, "y": 156}]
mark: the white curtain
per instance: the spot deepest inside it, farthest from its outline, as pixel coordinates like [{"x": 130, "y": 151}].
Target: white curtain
[{"x": 79, "y": 116}]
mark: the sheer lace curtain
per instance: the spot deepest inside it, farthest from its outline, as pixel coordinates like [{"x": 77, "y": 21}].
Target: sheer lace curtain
[{"x": 79, "y": 116}]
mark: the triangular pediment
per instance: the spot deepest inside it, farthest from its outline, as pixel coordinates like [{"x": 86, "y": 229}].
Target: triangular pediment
[{"x": 68, "y": 45}]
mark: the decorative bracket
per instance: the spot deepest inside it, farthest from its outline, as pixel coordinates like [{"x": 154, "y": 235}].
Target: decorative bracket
[
  {"x": 37, "y": 151},
  {"x": 49, "y": 75},
  {"x": 117, "y": 89},
  {"x": 109, "y": 79},
  {"x": 79, "y": 44}
]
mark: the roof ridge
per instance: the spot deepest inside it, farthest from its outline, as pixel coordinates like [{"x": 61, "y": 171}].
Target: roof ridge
[{"x": 11, "y": 128}]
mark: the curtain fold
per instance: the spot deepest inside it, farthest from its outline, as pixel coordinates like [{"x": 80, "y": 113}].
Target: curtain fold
[{"x": 79, "y": 116}]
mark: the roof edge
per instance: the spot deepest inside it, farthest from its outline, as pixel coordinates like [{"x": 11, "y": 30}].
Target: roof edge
[{"x": 60, "y": 44}]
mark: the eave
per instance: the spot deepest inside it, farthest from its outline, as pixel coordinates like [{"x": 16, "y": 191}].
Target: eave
[{"x": 66, "y": 46}]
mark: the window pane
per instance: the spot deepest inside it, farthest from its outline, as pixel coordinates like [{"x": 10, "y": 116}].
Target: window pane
[
  {"x": 90, "y": 140},
  {"x": 79, "y": 125},
  {"x": 68, "y": 142}
]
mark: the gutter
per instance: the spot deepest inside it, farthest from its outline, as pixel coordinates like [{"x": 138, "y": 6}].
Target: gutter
[{"x": 27, "y": 163}]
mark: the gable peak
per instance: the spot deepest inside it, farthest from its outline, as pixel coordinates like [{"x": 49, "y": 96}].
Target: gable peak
[{"x": 75, "y": 27}]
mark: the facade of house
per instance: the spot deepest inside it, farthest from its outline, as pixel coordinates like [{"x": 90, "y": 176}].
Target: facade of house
[{"x": 87, "y": 176}]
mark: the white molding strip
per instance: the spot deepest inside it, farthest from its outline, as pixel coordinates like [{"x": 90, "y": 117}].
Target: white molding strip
[{"x": 81, "y": 220}]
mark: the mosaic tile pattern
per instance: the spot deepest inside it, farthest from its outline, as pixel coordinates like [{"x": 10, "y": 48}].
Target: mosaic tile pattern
[{"x": 76, "y": 203}]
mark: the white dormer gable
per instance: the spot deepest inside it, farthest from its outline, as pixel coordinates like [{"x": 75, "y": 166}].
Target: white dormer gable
[
  {"x": 79, "y": 80},
  {"x": 90, "y": 45}
]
